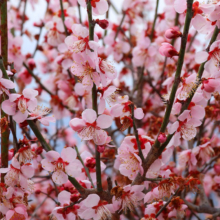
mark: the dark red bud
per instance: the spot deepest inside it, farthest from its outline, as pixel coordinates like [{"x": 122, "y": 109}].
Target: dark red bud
[{"x": 102, "y": 23}]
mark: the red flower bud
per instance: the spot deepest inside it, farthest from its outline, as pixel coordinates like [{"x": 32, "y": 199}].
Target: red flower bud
[
  {"x": 101, "y": 149},
  {"x": 102, "y": 23},
  {"x": 90, "y": 162},
  {"x": 162, "y": 138},
  {"x": 37, "y": 192}
]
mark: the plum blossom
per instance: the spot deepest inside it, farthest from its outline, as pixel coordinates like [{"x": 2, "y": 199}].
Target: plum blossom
[
  {"x": 18, "y": 174},
  {"x": 203, "y": 153},
  {"x": 94, "y": 207},
  {"x": 63, "y": 212},
  {"x": 90, "y": 126},
  {"x": 127, "y": 197},
  {"x": 128, "y": 162},
  {"x": 185, "y": 127},
  {"x": 62, "y": 165},
  {"x": 79, "y": 41},
  {"x": 168, "y": 50},
  {"x": 140, "y": 52},
  {"x": 212, "y": 58},
  {"x": 187, "y": 157},
  {"x": 173, "y": 33},
  {"x": 18, "y": 105},
  {"x": 85, "y": 68},
  {"x": 109, "y": 95},
  {"x": 55, "y": 29},
  {"x": 106, "y": 70},
  {"x": 40, "y": 114}
]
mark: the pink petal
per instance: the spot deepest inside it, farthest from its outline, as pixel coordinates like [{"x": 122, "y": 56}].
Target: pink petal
[
  {"x": 77, "y": 124},
  {"x": 109, "y": 91},
  {"x": 180, "y": 6},
  {"x": 184, "y": 115},
  {"x": 47, "y": 165},
  {"x": 59, "y": 177},
  {"x": 30, "y": 93},
  {"x": 13, "y": 97},
  {"x": 100, "y": 137},
  {"x": 91, "y": 201},
  {"x": 9, "y": 214},
  {"x": 46, "y": 120},
  {"x": 20, "y": 117},
  {"x": 116, "y": 110},
  {"x": 27, "y": 170},
  {"x": 4, "y": 170},
  {"x": 79, "y": 89},
  {"x": 20, "y": 210},
  {"x": 68, "y": 154},
  {"x": 201, "y": 56},
  {"x": 138, "y": 113},
  {"x": 64, "y": 197},
  {"x": 199, "y": 22},
  {"x": 77, "y": 168},
  {"x": 104, "y": 121},
  {"x": 7, "y": 83},
  {"x": 172, "y": 128},
  {"x": 15, "y": 163},
  {"x": 89, "y": 115},
  {"x": 52, "y": 156},
  {"x": 102, "y": 7},
  {"x": 9, "y": 107},
  {"x": 101, "y": 106},
  {"x": 198, "y": 112}
]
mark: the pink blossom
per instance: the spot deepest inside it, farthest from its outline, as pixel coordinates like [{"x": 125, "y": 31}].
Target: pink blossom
[
  {"x": 203, "y": 153},
  {"x": 109, "y": 95},
  {"x": 129, "y": 198},
  {"x": 17, "y": 174},
  {"x": 62, "y": 165},
  {"x": 94, "y": 207},
  {"x": 106, "y": 71},
  {"x": 173, "y": 33},
  {"x": 185, "y": 127},
  {"x": 187, "y": 157},
  {"x": 168, "y": 50},
  {"x": 18, "y": 105},
  {"x": 85, "y": 68},
  {"x": 90, "y": 127},
  {"x": 79, "y": 41},
  {"x": 55, "y": 29},
  {"x": 63, "y": 212},
  {"x": 40, "y": 114}
]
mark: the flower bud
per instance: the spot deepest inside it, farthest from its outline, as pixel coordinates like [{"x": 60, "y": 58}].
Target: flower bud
[
  {"x": 172, "y": 33},
  {"x": 168, "y": 50},
  {"x": 162, "y": 138},
  {"x": 37, "y": 191},
  {"x": 90, "y": 162},
  {"x": 101, "y": 149},
  {"x": 102, "y": 23}
]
